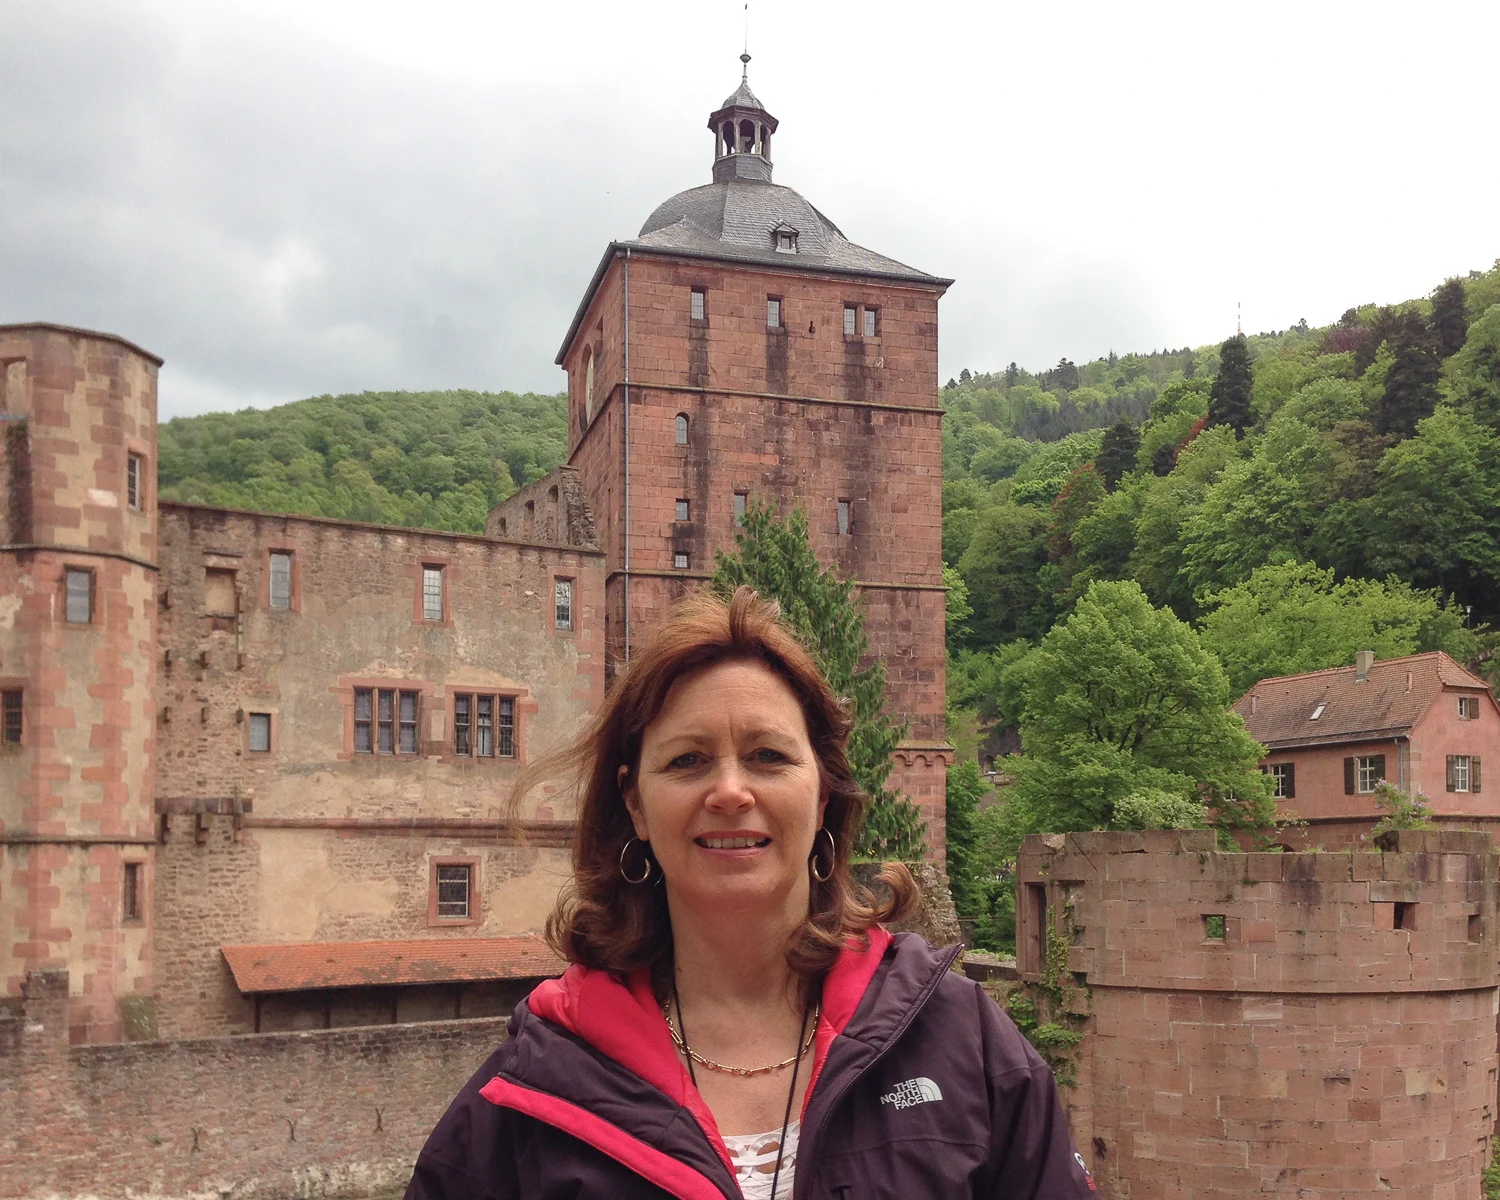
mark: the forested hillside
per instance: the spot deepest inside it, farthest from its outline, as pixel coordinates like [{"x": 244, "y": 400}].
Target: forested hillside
[{"x": 436, "y": 460}]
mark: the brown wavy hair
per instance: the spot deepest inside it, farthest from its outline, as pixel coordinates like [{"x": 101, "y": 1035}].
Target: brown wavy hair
[{"x": 607, "y": 924}]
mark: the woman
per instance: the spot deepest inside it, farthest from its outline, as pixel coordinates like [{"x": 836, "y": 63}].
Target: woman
[{"x": 735, "y": 1021}]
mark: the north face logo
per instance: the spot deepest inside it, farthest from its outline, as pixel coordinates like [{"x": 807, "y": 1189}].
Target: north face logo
[{"x": 913, "y": 1091}]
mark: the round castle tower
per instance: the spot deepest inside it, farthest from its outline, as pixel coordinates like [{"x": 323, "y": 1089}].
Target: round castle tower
[{"x": 78, "y": 611}]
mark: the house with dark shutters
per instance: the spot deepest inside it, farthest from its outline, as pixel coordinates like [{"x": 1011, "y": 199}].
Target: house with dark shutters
[{"x": 1421, "y": 721}]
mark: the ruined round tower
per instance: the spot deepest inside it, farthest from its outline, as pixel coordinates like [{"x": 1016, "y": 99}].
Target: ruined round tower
[{"x": 78, "y": 611}]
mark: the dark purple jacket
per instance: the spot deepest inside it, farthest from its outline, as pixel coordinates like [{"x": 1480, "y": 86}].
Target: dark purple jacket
[{"x": 921, "y": 1087}]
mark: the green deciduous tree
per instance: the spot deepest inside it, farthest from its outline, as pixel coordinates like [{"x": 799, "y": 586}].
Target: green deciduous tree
[
  {"x": 1473, "y": 374},
  {"x": 1122, "y": 698},
  {"x": 1234, "y": 386},
  {"x": 775, "y": 557},
  {"x": 1000, "y": 565}
]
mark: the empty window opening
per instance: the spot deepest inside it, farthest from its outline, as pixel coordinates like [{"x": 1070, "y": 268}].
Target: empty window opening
[
  {"x": 747, "y": 137},
  {"x": 851, "y": 320},
  {"x": 680, "y": 561},
  {"x": 1468, "y": 708},
  {"x": 588, "y": 384},
  {"x": 281, "y": 579},
  {"x": 681, "y": 429},
  {"x": 845, "y": 526},
  {"x": 739, "y": 508},
  {"x": 432, "y": 593},
  {"x": 10, "y": 718},
  {"x": 699, "y": 309},
  {"x": 1213, "y": 927},
  {"x": 260, "y": 733},
  {"x": 453, "y": 887},
  {"x": 683, "y": 508},
  {"x": 871, "y": 327},
  {"x": 1404, "y": 915},
  {"x": 78, "y": 607},
  {"x": 134, "y": 481},
  {"x": 130, "y": 907},
  {"x": 562, "y": 604},
  {"x": 1476, "y": 927},
  {"x": 1036, "y": 915},
  {"x": 773, "y": 312}
]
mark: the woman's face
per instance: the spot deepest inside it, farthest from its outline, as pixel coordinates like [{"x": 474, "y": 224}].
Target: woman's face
[{"x": 728, "y": 792}]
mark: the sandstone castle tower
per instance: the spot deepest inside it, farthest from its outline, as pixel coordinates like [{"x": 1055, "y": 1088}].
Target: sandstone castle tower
[{"x": 741, "y": 346}]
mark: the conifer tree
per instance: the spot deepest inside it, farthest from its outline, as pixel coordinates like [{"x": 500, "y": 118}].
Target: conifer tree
[
  {"x": 1411, "y": 384},
  {"x": 1229, "y": 397},
  {"x": 776, "y": 558},
  {"x": 1012, "y": 375},
  {"x": 1450, "y": 318},
  {"x": 1122, "y": 442}
]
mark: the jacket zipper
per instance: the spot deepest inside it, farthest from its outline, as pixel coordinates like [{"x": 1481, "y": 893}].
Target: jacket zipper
[{"x": 838, "y": 1096}]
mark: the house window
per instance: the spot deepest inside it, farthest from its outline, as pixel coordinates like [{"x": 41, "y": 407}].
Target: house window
[
  {"x": 699, "y": 308},
  {"x": 739, "y": 508},
  {"x": 133, "y": 481},
  {"x": 260, "y": 733},
  {"x": 786, "y": 241},
  {"x": 385, "y": 721},
  {"x": 281, "y": 579},
  {"x": 773, "y": 312},
  {"x": 562, "y": 604},
  {"x": 10, "y": 718},
  {"x": 484, "y": 726},
  {"x": 851, "y": 320},
  {"x": 1317, "y": 713},
  {"x": 681, "y": 429},
  {"x": 1468, "y": 708},
  {"x": 78, "y": 607},
  {"x": 844, "y": 525},
  {"x": 1284, "y": 781},
  {"x": 870, "y": 325},
  {"x": 130, "y": 906},
  {"x": 432, "y": 593},
  {"x": 454, "y": 884},
  {"x": 680, "y": 561},
  {"x": 1463, "y": 773},
  {"x": 683, "y": 508},
  {"x": 1369, "y": 770}
]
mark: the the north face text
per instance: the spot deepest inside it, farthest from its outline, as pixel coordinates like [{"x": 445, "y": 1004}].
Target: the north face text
[{"x": 913, "y": 1091}]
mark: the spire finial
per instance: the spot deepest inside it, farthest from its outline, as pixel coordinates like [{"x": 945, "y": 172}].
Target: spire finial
[{"x": 745, "y": 55}]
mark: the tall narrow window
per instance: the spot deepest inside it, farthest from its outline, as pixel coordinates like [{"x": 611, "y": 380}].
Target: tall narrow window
[
  {"x": 739, "y": 508},
  {"x": 408, "y": 711},
  {"x": 10, "y": 718},
  {"x": 699, "y": 307},
  {"x": 562, "y": 604},
  {"x": 134, "y": 481},
  {"x": 463, "y": 726},
  {"x": 432, "y": 593},
  {"x": 281, "y": 579},
  {"x": 870, "y": 327},
  {"x": 484, "y": 727},
  {"x": 260, "y": 733},
  {"x": 363, "y": 700},
  {"x": 682, "y": 510},
  {"x": 843, "y": 518},
  {"x": 78, "y": 608},
  {"x": 130, "y": 907},
  {"x": 851, "y": 317},
  {"x": 453, "y": 891},
  {"x": 680, "y": 429},
  {"x": 1284, "y": 781},
  {"x": 386, "y": 720},
  {"x": 506, "y": 728},
  {"x": 773, "y": 312}
]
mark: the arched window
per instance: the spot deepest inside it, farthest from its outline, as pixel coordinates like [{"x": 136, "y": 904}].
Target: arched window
[
  {"x": 588, "y": 384},
  {"x": 682, "y": 429}
]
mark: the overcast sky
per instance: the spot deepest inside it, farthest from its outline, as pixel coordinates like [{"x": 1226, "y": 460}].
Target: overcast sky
[{"x": 290, "y": 197}]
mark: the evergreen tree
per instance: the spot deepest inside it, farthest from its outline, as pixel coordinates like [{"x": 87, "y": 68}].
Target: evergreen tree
[
  {"x": 1122, "y": 442},
  {"x": 1164, "y": 459},
  {"x": 1411, "y": 384},
  {"x": 1012, "y": 375},
  {"x": 1450, "y": 318},
  {"x": 965, "y": 787},
  {"x": 964, "y": 376},
  {"x": 1229, "y": 397},
  {"x": 776, "y": 558}
]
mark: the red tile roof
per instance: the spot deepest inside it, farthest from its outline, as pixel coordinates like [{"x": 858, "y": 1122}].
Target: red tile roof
[
  {"x": 295, "y": 968},
  {"x": 1278, "y": 712}
]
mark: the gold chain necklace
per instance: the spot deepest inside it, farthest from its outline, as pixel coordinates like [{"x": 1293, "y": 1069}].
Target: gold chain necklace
[{"x": 684, "y": 1048}]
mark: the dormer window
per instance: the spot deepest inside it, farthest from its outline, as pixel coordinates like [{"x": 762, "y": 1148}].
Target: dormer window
[
  {"x": 1317, "y": 712},
  {"x": 785, "y": 239}
]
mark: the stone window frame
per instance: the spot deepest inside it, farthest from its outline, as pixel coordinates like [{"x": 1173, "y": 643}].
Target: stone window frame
[
  {"x": 778, "y": 311},
  {"x": 133, "y": 917},
  {"x": 682, "y": 560},
  {"x": 851, "y": 320},
  {"x": 739, "y": 502},
  {"x": 474, "y": 694},
  {"x": 294, "y": 580},
  {"x": 418, "y": 571},
  {"x": 345, "y": 688},
  {"x": 572, "y": 623},
  {"x": 12, "y": 711},
  {"x": 845, "y": 518},
  {"x": 682, "y": 429},
  {"x": 698, "y": 305},
  {"x": 70, "y": 569},
  {"x": 146, "y": 483},
  {"x": 682, "y": 509},
  {"x": 215, "y": 567},
  {"x": 475, "y": 864},
  {"x": 135, "y": 481},
  {"x": 870, "y": 322},
  {"x": 272, "y": 730}
]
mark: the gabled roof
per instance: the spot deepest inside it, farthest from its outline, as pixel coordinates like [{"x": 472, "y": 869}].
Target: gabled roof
[
  {"x": 315, "y": 965},
  {"x": 1279, "y": 712}
]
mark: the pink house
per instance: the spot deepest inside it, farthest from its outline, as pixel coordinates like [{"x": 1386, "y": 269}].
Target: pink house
[{"x": 1422, "y": 722}]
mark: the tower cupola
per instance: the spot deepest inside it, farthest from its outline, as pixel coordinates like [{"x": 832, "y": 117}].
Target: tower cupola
[{"x": 742, "y": 130}]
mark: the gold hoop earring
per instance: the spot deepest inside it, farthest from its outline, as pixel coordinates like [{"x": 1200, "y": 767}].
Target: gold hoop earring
[
  {"x": 645, "y": 858},
  {"x": 812, "y": 859}
]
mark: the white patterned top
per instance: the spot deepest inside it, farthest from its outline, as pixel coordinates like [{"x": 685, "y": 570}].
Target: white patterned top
[{"x": 754, "y": 1157}]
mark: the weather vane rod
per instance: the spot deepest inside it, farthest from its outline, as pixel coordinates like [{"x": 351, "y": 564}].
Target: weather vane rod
[{"x": 745, "y": 56}]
